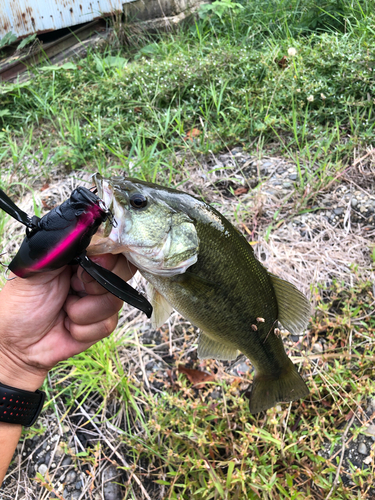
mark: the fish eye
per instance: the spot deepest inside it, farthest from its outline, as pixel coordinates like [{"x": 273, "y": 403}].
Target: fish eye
[{"x": 138, "y": 200}]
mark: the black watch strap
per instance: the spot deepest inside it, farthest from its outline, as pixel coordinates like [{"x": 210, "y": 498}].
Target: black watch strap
[{"x": 20, "y": 407}]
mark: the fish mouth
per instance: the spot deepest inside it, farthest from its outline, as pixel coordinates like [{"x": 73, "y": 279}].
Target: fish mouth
[
  {"x": 105, "y": 193},
  {"x": 107, "y": 237},
  {"x": 148, "y": 256}
]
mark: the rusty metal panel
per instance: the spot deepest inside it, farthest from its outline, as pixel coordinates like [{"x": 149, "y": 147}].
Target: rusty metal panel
[{"x": 24, "y": 17}]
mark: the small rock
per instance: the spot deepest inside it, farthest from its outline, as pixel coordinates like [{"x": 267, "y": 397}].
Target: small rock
[
  {"x": 293, "y": 177},
  {"x": 42, "y": 469},
  {"x": 370, "y": 430},
  {"x": 215, "y": 394},
  {"x": 338, "y": 211},
  {"x": 354, "y": 202},
  {"x": 71, "y": 477},
  {"x": 267, "y": 164},
  {"x": 371, "y": 404},
  {"x": 59, "y": 452},
  {"x": 112, "y": 491},
  {"x": 295, "y": 338},
  {"x": 40, "y": 458},
  {"x": 67, "y": 461},
  {"x": 75, "y": 495},
  {"x": 362, "y": 449},
  {"x": 317, "y": 348},
  {"x": 242, "y": 368},
  {"x": 78, "y": 485},
  {"x": 287, "y": 185}
]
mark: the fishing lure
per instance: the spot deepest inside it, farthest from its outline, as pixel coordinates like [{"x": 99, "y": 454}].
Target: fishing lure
[{"x": 61, "y": 237}]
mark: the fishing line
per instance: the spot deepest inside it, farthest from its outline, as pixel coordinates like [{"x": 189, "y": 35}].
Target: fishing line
[
  {"x": 273, "y": 324},
  {"x": 6, "y": 269}
]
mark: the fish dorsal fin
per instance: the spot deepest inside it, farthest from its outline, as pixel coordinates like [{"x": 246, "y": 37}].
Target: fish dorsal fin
[
  {"x": 211, "y": 349},
  {"x": 294, "y": 308},
  {"x": 161, "y": 308}
]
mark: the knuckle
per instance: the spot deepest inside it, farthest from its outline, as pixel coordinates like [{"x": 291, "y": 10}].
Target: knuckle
[
  {"x": 110, "y": 324},
  {"x": 112, "y": 304}
]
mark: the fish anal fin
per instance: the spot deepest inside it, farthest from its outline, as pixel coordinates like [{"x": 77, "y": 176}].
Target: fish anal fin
[
  {"x": 294, "y": 308},
  {"x": 212, "y": 349},
  {"x": 161, "y": 308},
  {"x": 267, "y": 390}
]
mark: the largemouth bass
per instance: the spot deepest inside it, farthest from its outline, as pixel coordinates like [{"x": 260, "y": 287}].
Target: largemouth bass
[{"x": 196, "y": 262}]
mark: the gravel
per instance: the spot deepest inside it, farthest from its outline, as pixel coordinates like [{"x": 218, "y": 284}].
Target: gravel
[
  {"x": 42, "y": 469},
  {"x": 362, "y": 448}
]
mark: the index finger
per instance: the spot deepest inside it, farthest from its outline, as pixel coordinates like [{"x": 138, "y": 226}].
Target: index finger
[{"x": 118, "y": 264}]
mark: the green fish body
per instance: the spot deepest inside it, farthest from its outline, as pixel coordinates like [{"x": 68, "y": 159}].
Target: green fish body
[{"x": 197, "y": 263}]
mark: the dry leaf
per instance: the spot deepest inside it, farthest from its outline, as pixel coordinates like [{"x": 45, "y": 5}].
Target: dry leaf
[
  {"x": 349, "y": 415},
  {"x": 241, "y": 190},
  {"x": 282, "y": 63},
  {"x": 196, "y": 377},
  {"x": 194, "y": 132},
  {"x": 47, "y": 205}
]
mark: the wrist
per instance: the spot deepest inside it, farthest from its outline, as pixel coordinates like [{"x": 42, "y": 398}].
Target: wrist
[{"x": 16, "y": 374}]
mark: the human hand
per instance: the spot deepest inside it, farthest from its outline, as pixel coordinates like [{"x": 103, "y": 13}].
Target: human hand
[{"x": 41, "y": 323}]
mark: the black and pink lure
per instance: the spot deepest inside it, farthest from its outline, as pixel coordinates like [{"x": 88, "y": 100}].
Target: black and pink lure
[{"x": 62, "y": 236}]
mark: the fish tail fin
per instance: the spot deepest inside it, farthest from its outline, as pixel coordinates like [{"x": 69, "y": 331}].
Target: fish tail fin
[{"x": 268, "y": 390}]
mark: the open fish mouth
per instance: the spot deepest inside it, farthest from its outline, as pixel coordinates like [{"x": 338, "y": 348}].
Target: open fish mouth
[{"x": 163, "y": 242}]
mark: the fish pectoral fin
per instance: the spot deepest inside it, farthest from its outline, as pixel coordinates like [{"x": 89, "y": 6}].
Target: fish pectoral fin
[
  {"x": 209, "y": 348},
  {"x": 294, "y": 308},
  {"x": 268, "y": 390},
  {"x": 161, "y": 308},
  {"x": 196, "y": 284}
]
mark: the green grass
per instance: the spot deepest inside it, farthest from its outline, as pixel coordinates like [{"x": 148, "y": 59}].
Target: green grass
[
  {"x": 132, "y": 108},
  {"x": 220, "y": 76},
  {"x": 203, "y": 443}
]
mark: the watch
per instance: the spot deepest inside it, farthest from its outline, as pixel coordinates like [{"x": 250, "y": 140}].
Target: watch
[{"x": 20, "y": 407}]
